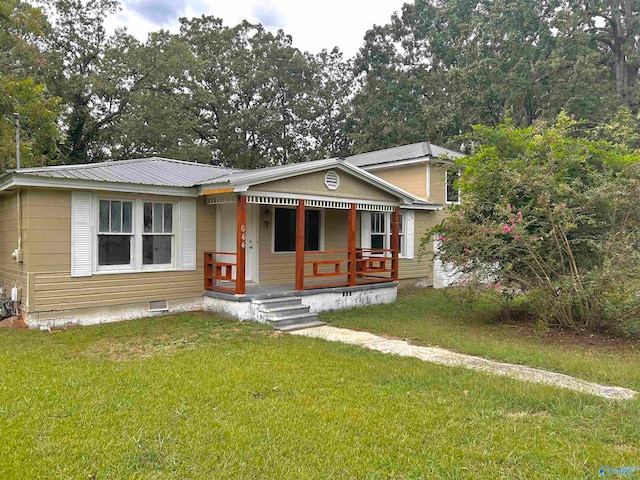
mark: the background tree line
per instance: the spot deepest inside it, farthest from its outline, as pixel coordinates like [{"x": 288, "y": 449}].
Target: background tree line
[{"x": 243, "y": 96}]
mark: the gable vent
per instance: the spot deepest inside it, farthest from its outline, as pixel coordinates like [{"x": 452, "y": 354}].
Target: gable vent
[{"x": 332, "y": 180}]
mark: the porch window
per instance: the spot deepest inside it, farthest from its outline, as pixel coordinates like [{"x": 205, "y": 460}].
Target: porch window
[
  {"x": 381, "y": 231},
  {"x": 284, "y": 237},
  {"x": 115, "y": 232},
  {"x": 376, "y": 232}
]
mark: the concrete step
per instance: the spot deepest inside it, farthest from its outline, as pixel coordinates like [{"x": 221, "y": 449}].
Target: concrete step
[
  {"x": 285, "y": 311},
  {"x": 286, "y": 320},
  {"x": 267, "y": 304},
  {"x": 300, "y": 326}
]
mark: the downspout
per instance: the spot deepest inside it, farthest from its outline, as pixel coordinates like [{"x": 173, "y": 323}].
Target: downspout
[
  {"x": 19, "y": 201},
  {"x": 17, "y": 254}
]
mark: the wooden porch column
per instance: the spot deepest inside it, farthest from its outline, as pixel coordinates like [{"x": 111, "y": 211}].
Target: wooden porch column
[
  {"x": 241, "y": 244},
  {"x": 300, "y": 245},
  {"x": 351, "y": 244},
  {"x": 395, "y": 242}
]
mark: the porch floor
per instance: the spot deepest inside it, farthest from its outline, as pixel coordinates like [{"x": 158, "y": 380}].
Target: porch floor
[{"x": 256, "y": 291}]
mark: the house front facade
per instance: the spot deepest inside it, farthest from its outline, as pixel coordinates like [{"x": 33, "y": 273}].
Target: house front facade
[{"x": 120, "y": 240}]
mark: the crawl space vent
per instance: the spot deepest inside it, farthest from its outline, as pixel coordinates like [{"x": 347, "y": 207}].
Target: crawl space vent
[
  {"x": 158, "y": 306},
  {"x": 331, "y": 180}
]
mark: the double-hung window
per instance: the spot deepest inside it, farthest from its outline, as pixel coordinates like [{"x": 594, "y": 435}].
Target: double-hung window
[
  {"x": 115, "y": 233},
  {"x": 121, "y": 235},
  {"x": 379, "y": 232},
  {"x": 376, "y": 232},
  {"x": 157, "y": 235}
]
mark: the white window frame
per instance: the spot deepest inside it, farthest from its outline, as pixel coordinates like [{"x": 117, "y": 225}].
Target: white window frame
[
  {"x": 408, "y": 220},
  {"x": 136, "y": 263},
  {"x": 272, "y": 227},
  {"x": 97, "y": 233},
  {"x": 446, "y": 188},
  {"x": 386, "y": 242},
  {"x": 159, "y": 266}
]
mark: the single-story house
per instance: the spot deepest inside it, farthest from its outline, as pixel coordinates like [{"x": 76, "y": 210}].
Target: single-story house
[{"x": 126, "y": 239}]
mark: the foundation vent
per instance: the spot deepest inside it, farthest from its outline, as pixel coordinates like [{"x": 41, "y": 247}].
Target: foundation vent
[{"x": 158, "y": 306}]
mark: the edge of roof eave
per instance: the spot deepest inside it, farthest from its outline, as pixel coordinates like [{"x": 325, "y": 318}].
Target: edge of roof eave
[{"x": 19, "y": 179}]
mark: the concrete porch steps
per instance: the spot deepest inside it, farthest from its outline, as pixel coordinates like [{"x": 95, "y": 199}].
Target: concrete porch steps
[{"x": 286, "y": 313}]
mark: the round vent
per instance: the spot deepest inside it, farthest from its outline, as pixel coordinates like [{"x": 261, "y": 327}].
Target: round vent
[{"x": 331, "y": 180}]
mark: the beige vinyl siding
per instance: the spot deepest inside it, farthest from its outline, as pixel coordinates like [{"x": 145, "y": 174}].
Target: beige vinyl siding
[
  {"x": 10, "y": 270},
  {"x": 49, "y": 261},
  {"x": 438, "y": 184},
  {"x": 313, "y": 184},
  {"x": 279, "y": 268},
  {"x": 412, "y": 178},
  {"x": 421, "y": 267}
]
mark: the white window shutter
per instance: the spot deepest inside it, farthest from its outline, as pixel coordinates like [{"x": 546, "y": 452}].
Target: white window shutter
[
  {"x": 81, "y": 234},
  {"x": 187, "y": 249},
  {"x": 365, "y": 229},
  {"x": 409, "y": 233}
]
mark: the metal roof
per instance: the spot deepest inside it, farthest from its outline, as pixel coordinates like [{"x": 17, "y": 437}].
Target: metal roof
[
  {"x": 402, "y": 153},
  {"x": 141, "y": 171},
  {"x": 268, "y": 174}
]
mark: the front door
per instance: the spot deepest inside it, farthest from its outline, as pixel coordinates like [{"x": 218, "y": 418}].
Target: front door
[{"x": 226, "y": 237}]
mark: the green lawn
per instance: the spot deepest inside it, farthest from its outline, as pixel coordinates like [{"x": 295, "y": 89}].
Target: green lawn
[
  {"x": 446, "y": 319},
  {"x": 196, "y": 396}
]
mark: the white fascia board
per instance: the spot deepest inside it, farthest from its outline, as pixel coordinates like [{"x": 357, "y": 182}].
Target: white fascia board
[
  {"x": 418, "y": 206},
  {"x": 395, "y": 163},
  {"x": 20, "y": 180}
]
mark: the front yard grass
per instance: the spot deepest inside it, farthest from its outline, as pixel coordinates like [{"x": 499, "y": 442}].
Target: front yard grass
[
  {"x": 197, "y": 396},
  {"x": 446, "y": 318}
]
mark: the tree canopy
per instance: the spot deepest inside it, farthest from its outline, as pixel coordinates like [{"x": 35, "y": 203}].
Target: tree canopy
[{"x": 244, "y": 96}]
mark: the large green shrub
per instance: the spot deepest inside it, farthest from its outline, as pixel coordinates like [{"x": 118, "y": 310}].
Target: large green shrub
[{"x": 551, "y": 214}]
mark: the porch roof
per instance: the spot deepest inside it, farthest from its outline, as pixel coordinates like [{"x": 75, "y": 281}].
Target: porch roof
[{"x": 242, "y": 181}]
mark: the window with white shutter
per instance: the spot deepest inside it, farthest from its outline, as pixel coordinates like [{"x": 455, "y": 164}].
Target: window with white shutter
[
  {"x": 375, "y": 232},
  {"x": 187, "y": 234},
  {"x": 81, "y": 234},
  {"x": 120, "y": 235}
]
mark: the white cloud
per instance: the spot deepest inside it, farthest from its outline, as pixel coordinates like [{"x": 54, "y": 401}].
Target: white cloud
[
  {"x": 313, "y": 25},
  {"x": 268, "y": 15}
]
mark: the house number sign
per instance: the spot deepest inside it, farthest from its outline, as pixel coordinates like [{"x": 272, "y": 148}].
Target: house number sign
[{"x": 243, "y": 229}]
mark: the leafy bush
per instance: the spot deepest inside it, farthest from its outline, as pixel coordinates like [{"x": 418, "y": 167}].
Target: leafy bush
[{"x": 553, "y": 215}]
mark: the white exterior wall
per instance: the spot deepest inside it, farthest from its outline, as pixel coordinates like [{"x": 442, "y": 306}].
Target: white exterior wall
[{"x": 444, "y": 275}]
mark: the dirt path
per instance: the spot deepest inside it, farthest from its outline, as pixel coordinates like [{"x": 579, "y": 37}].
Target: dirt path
[{"x": 446, "y": 357}]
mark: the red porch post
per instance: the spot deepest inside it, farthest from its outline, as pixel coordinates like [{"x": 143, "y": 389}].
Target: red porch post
[
  {"x": 395, "y": 242},
  {"x": 351, "y": 244},
  {"x": 241, "y": 244},
  {"x": 300, "y": 245}
]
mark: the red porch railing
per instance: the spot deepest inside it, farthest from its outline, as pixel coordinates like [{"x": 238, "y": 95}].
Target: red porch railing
[
  {"x": 376, "y": 265},
  {"x": 323, "y": 268},
  {"x": 215, "y": 271},
  {"x": 372, "y": 266}
]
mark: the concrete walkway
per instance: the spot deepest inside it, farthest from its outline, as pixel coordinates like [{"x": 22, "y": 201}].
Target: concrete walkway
[{"x": 446, "y": 357}]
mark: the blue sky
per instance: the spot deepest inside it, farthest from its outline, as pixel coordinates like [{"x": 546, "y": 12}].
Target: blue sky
[{"x": 313, "y": 25}]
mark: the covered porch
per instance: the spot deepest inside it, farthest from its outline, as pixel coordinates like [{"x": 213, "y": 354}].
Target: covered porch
[{"x": 235, "y": 268}]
